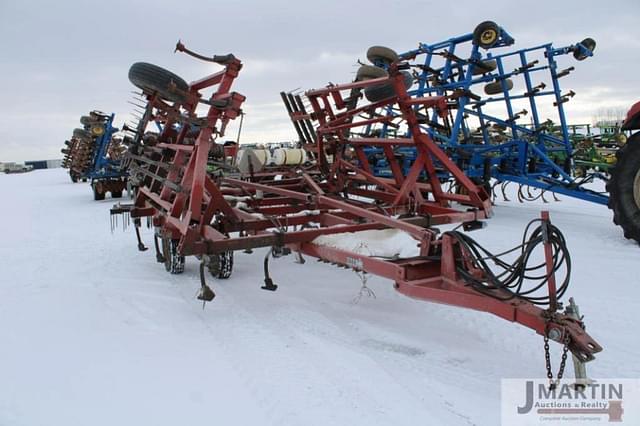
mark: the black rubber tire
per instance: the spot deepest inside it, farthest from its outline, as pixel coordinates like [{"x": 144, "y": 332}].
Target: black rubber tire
[
  {"x": 496, "y": 87},
  {"x": 590, "y": 44},
  {"x": 485, "y": 66},
  {"x": 486, "y": 34},
  {"x": 81, "y": 134},
  {"x": 381, "y": 54},
  {"x": 221, "y": 265},
  {"x": 86, "y": 120},
  {"x": 116, "y": 194},
  {"x": 74, "y": 178},
  {"x": 369, "y": 72},
  {"x": 173, "y": 262},
  {"x": 152, "y": 78},
  {"x": 97, "y": 195},
  {"x": 384, "y": 91},
  {"x": 626, "y": 210}
]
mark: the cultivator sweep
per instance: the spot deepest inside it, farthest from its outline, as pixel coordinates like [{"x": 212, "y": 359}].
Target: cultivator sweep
[
  {"x": 494, "y": 128},
  {"x": 334, "y": 193},
  {"x": 94, "y": 153}
]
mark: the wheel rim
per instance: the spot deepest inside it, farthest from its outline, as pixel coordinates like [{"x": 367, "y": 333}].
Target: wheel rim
[
  {"x": 636, "y": 189},
  {"x": 488, "y": 36}
]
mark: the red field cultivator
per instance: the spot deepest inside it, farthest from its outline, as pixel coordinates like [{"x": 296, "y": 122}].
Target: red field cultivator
[{"x": 210, "y": 216}]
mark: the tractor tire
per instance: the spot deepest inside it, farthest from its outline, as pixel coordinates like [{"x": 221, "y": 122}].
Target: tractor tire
[
  {"x": 221, "y": 265},
  {"x": 81, "y": 134},
  {"x": 485, "y": 66},
  {"x": 496, "y": 87},
  {"x": 369, "y": 72},
  {"x": 381, "y": 54},
  {"x": 624, "y": 188},
  {"x": 152, "y": 78},
  {"x": 486, "y": 34},
  {"x": 173, "y": 262},
  {"x": 384, "y": 91}
]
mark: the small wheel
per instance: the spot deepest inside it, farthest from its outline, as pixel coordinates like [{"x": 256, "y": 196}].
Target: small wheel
[
  {"x": 221, "y": 265},
  {"x": 496, "y": 87},
  {"x": 369, "y": 72},
  {"x": 98, "y": 193},
  {"x": 116, "y": 194},
  {"x": 376, "y": 54},
  {"x": 485, "y": 66},
  {"x": 97, "y": 130},
  {"x": 86, "y": 120},
  {"x": 624, "y": 188},
  {"x": 81, "y": 134},
  {"x": 590, "y": 44},
  {"x": 152, "y": 78},
  {"x": 486, "y": 34},
  {"x": 384, "y": 91},
  {"x": 74, "y": 177}
]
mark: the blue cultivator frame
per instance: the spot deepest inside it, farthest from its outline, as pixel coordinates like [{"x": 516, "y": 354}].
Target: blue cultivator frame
[
  {"x": 102, "y": 166},
  {"x": 495, "y": 128},
  {"x": 107, "y": 174}
]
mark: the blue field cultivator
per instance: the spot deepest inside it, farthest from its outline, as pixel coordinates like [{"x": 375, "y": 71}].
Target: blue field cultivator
[
  {"x": 505, "y": 119},
  {"x": 94, "y": 154}
]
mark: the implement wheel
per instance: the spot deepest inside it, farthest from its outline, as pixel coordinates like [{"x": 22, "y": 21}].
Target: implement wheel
[
  {"x": 496, "y": 87},
  {"x": 81, "y": 134},
  {"x": 383, "y": 54},
  {"x": 624, "y": 188},
  {"x": 369, "y": 72},
  {"x": 98, "y": 191},
  {"x": 384, "y": 91},
  {"x": 221, "y": 265},
  {"x": 485, "y": 66},
  {"x": 173, "y": 262},
  {"x": 486, "y": 34},
  {"x": 152, "y": 78}
]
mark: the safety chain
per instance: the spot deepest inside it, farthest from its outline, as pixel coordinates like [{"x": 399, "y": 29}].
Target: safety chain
[{"x": 554, "y": 383}]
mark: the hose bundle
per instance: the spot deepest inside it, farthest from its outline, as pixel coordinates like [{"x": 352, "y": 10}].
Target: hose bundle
[{"x": 518, "y": 278}]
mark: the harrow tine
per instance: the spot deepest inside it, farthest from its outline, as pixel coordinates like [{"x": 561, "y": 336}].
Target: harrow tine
[
  {"x": 520, "y": 196},
  {"x": 529, "y": 192},
  {"x": 137, "y": 224},
  {"x": 503, "y": 188},
  {"x": 544, "y": 200},
  {"x": 555, "y": 197}
]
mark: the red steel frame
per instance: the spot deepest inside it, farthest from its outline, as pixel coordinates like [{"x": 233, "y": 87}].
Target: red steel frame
[{"x": 342, "y": 196}]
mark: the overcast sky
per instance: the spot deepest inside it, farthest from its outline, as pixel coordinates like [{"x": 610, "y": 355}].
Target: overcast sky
[{"x": 61, "y": 59}]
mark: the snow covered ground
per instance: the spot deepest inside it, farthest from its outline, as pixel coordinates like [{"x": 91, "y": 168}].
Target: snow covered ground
[{"x": 92, "y": 332}]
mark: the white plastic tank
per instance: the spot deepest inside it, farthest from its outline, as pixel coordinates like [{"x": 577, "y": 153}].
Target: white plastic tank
[
  {"x": 252, "y": 159},
  {"x": 289, "y": 156}
]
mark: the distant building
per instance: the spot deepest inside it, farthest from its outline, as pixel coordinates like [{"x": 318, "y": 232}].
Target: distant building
[{"x": 45, "y": 164}]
